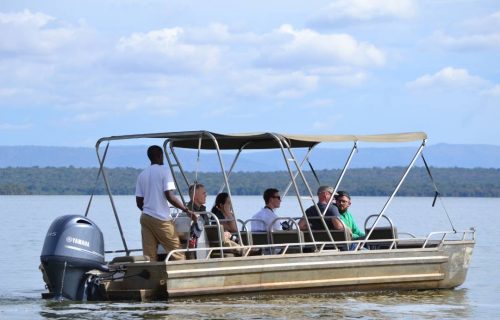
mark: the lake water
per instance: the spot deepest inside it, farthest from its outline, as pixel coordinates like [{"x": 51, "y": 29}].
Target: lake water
[{"x": 25, "y": 220}]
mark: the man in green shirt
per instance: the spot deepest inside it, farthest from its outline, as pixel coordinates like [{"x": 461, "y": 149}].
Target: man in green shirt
[{"x": 343, "y": 201}]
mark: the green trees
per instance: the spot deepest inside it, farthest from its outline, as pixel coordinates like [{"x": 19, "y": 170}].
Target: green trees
[{"x": 459, "y": 182}]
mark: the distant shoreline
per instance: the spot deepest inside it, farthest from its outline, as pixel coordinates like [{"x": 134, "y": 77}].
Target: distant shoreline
[
  {"x": 439, "y": 155},
  {"x": 451, "y": 182}
]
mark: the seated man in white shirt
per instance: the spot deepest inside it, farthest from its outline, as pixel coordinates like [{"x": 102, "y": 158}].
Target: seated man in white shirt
[{"x": 266, "y": 216}]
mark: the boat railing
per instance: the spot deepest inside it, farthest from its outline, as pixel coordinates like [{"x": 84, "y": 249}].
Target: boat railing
[
  {"x": 409, "y": 234},
  {"x": 273, "y": 249},
  {"x": 290, "y": 231},
  {"x": 251, "y": 233},
  {"x": 442, "y": 236},
  {"x": 381, "y": 233},
  {"x": 433, "y": 241},
  {"x": 287, "y": 225},
  {"x": 121, "y": 251}
]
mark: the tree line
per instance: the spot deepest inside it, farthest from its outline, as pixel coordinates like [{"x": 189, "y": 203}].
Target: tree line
[{"x": 453, "y": 182}]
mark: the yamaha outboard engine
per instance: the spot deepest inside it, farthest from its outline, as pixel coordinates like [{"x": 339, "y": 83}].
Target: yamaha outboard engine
[{"x": 73, "y": 246}]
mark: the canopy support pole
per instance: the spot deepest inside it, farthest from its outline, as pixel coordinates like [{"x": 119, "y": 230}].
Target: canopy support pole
[
  {"x": 97, "y": 179},
  {"x": 297, "y": 191},
  {"x": 347, "y": 163},
  {"x": 306, "y": 158},
  {"x": 417, "y": 154},
  {"x": 226, "y": 179},
  {"x": 108, "y": 190}
]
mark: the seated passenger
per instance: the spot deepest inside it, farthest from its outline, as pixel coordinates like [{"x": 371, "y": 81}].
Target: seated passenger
[
  {"x": 266, "y": 215},
  {"x": 343, "y": 201},
  {"x": 197, "y": 199},
  {"x": 224, "y": 211},
  {"x": 331, "y": 216}
]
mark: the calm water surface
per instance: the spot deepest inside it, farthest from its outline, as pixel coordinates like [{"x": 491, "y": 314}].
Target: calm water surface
[{"x": 25, "y": 220}]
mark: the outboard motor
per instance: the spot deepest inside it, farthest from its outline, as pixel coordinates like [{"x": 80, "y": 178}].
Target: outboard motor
[{"x": 73, "y": 246}]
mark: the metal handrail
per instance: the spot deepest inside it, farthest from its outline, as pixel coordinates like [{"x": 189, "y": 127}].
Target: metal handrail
[
  {"x": 322, "y": 244},
  {"x": 444, "y": 234},
  {"x": 296, "y": 230}
]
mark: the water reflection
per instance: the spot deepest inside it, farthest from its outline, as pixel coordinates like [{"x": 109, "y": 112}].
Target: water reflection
[{"x": 429, "y": 304}]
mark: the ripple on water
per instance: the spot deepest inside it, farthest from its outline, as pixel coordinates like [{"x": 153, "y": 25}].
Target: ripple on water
[{"x": 430, "y": 304}]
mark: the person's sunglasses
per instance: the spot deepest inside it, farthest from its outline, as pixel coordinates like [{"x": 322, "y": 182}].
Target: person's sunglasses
[{"x": 277, "y": 197}]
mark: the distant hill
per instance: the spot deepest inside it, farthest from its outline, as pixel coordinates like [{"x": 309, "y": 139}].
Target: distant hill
[
  {"x": 456, "y": 182},
  {"x": 440, "y": 155}
]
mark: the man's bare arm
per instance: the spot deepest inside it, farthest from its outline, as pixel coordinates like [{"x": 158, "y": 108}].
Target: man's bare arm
[
  {"x": 139, "y": 202},
  {"x": 172, "y": 199},
  {"x": 337, "y": 224}
]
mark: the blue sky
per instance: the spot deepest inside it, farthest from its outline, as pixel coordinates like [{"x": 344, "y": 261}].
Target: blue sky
[{"x": 74, "y": 71}]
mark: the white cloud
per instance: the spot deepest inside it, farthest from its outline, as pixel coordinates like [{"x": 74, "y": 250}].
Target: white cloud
[
  {"x": 25, "y": 18},
  {"x": 493, "y": 91},
  {"x": 306, "y": 48},
  {"x": 467, "y": 42},
  {"x": 485, "y": 24},
  {"x": 272, "y": 84},
  {"x": 342, "y": 11},
  {"x": 480, "y": 33},
  {"x": 305, "y": 57},
  {"x": 49, "y": 63},
  {"x": 220, "y": 34},
  {"x": 27, "y": 33},
  {"x": 165, "y": 50},
  {"x": 342, "y": 75},
  {"x": 448, "y": 77}
]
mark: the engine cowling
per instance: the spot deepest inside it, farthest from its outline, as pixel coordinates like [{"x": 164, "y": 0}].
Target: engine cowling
[{"x": 73, "y": 246}]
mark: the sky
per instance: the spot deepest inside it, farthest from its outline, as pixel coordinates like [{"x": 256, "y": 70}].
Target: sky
[{"x": 74, "y": 71}]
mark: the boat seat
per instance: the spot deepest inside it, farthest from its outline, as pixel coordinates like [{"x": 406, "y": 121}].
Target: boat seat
[
  {"x": 259, "y": 237},
  {"x": 416, "y": 243},
  {"x": 381, "y": 233},
  {"x": 322, "y": 236},
  {"x": 245, "y": 238},
  {"x": 130, "y": 259},
  {"x": 288, "y": 236},
  {"x": 215, "y": 238},
  {"x": 386, "y": 232}
]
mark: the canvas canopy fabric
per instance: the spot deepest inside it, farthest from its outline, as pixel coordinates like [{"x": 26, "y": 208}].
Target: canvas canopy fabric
[{"x": 265, "y": 140}]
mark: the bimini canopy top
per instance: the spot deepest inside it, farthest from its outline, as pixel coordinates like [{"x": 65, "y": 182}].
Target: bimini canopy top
[{"x": 264, "y": 140}]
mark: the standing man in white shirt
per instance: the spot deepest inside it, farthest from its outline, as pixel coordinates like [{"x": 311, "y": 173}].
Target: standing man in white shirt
[
  {"x": 272, "y": 200},
  {"x": 154, "y": 188}
]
